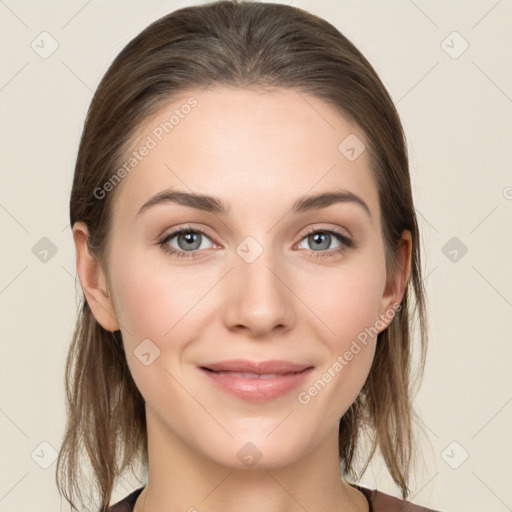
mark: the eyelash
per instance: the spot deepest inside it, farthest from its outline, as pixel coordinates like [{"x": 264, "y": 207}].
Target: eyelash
[{"x": 346, "y": 243}]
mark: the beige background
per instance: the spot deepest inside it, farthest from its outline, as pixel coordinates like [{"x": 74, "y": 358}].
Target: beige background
[{"x": 457, "y": 113}]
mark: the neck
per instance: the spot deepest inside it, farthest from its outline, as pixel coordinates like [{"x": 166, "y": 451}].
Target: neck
[{"x": 181, "y": 479}]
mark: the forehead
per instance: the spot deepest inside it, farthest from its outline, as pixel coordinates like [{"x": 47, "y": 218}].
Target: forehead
[{"x": 258, "y": 147}]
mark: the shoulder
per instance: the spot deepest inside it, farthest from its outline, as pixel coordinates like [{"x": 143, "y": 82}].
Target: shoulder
[
  {"x": 381, "y": 502},
  {"x": 127, "y": 504}
]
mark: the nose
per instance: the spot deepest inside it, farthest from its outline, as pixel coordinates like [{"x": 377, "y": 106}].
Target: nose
[{"x": 259, "y": 299}]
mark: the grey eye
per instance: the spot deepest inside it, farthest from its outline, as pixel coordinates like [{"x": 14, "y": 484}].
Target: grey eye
[
  {"x": 188, "y": 241},
  {"x": 319, "y": 241}
]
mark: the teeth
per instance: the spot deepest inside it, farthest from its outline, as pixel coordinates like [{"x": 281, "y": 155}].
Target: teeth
[{"x": 247, "y": 375}]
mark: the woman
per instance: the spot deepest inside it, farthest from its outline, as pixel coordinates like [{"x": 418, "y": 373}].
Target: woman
[{"x": 248, "y": 249}]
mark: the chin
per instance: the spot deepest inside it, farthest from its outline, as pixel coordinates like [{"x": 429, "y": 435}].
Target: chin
[{"x": 256, "y": 452}]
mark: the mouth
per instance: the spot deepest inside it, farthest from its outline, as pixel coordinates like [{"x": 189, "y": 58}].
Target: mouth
[{"x": 256, "y": 381}]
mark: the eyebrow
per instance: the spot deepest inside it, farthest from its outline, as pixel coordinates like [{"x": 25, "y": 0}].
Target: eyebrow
[{"x": 215, "y": 205}]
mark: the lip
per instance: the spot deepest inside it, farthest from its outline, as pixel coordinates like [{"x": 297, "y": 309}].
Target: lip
[
  {"x": 256, "y": 381},
  {"x": 260, "y": 367}
]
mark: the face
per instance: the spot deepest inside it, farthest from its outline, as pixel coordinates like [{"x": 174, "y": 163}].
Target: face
[{"x": 273, "y": 275}]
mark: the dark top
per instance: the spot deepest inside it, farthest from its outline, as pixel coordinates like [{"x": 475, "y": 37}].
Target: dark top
[{"x": 377, "y": 501}]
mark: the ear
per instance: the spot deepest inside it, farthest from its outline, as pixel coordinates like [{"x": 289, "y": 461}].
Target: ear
[
  {"x": 93, "y": 280},
  {"x": 397, "y": 283}
]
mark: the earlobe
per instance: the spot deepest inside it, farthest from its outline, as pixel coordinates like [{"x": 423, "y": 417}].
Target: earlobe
[
  {"x": 93, "y": 280},
  {"x": 397, "y": 284}
]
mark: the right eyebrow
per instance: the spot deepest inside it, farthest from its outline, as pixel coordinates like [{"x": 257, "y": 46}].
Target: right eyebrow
[{"x": 198, "y": 201}]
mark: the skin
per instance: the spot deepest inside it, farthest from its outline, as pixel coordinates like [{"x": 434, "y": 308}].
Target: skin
[{"x": 258, "y": 152}]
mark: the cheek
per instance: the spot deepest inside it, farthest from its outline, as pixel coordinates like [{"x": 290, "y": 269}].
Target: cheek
[
  {"x": 348, "y": 300},
  {"x": 163, "y": 305},
  {"x": 152, "y": 304},
  {"x": 149, "y": 301},
  {"x": 348, "y": 304}
]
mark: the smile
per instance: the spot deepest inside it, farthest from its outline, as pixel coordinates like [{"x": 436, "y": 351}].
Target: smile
[{"x": 256, "y": 382}]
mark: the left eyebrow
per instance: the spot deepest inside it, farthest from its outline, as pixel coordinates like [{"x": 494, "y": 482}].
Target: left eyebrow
[
  {"x": 322, "y": 200},
  {"x": 215, "y": 205}
]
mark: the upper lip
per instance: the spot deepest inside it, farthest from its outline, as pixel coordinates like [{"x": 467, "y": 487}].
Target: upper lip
[{"x": 258, "y": 367}]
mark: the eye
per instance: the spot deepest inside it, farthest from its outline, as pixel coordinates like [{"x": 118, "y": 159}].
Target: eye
[
  {"x": 187, "y": 242},
  {"x": 320, "y": 241},
  {"x": 184, "y": 242}
]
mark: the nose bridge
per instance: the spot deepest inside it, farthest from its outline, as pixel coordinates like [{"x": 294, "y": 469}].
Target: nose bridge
[{"x": 258, "y": 298}]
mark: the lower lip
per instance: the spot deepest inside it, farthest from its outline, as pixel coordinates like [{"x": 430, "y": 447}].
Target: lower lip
[{"x": 258, "y": 389}]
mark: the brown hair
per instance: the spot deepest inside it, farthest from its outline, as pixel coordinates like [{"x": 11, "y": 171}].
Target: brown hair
[{"x": 235, "y": 44}]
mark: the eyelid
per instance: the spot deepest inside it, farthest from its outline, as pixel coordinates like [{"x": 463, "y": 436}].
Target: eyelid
[
  {"x": 346, "y": 241},
  {"x": 204, "y": 231},
  {"x": 184, "y": 228},
  {"x": 331, "y": 229}
]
